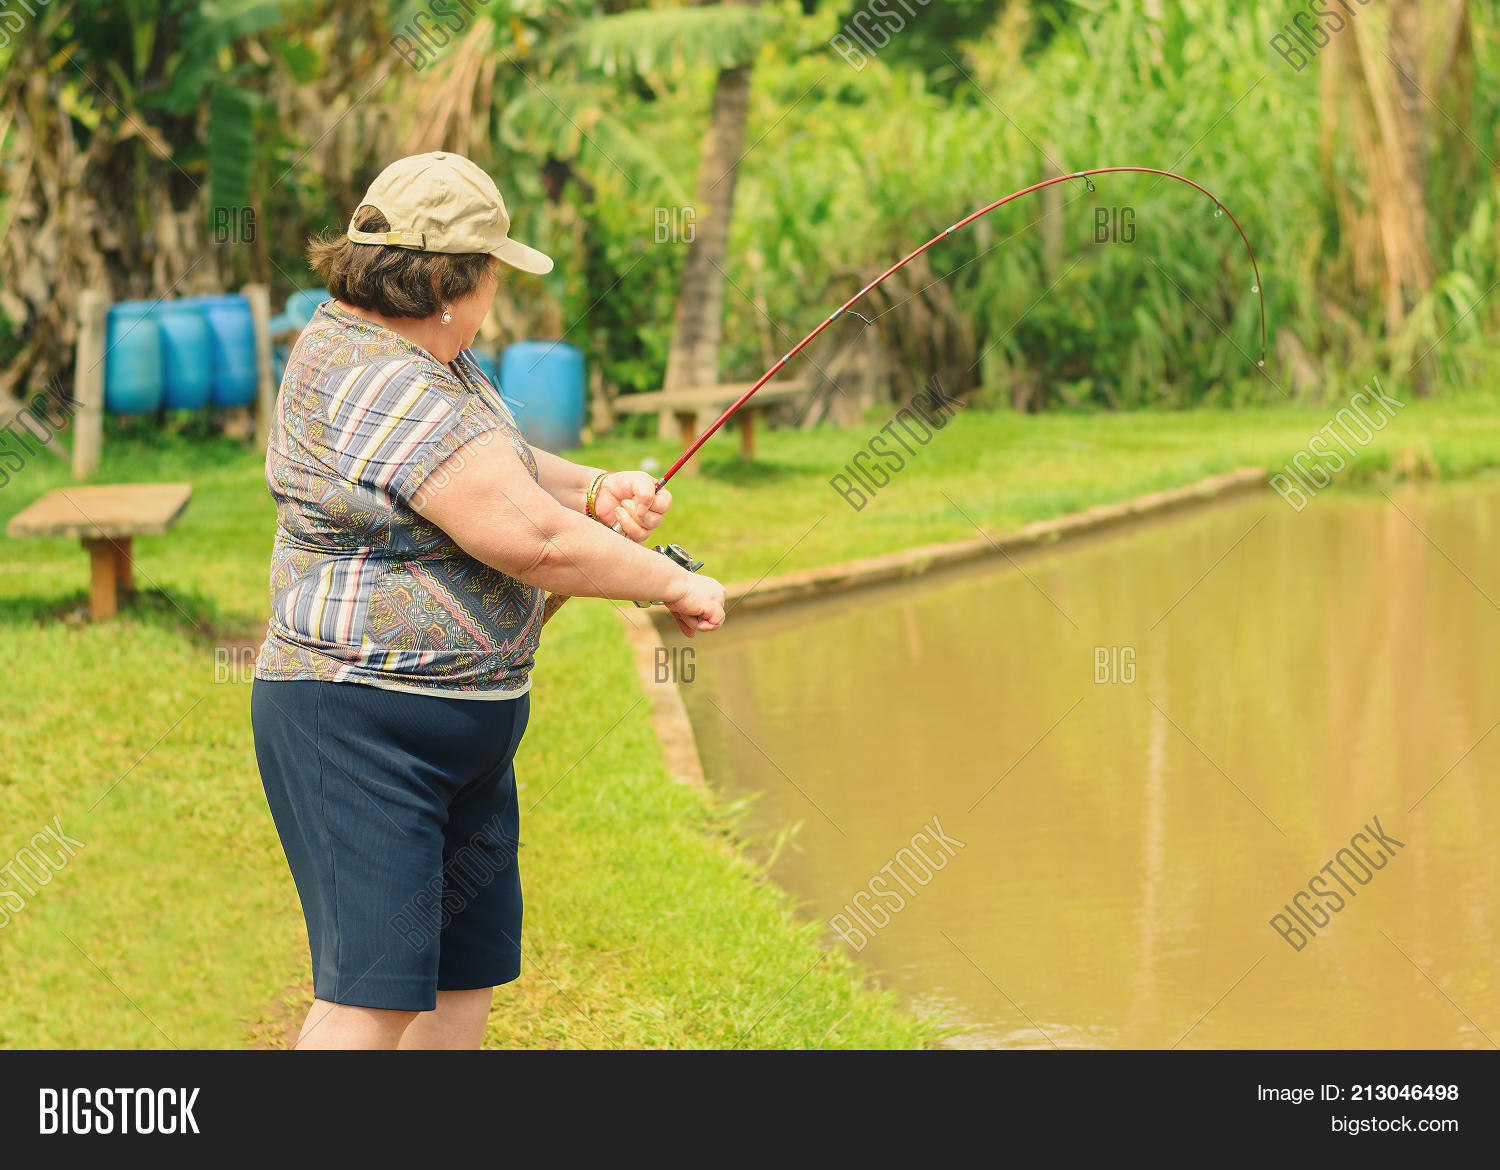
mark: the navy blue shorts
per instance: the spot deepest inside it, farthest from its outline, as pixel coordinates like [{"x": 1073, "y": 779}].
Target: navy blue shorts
[{"x": 398, "y": 815}]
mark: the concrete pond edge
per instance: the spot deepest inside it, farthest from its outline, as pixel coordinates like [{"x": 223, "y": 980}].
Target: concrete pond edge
[{"x": 807, "y": 584}]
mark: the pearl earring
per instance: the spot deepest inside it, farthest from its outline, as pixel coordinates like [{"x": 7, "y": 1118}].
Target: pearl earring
[{"x": 447, "y": 316}]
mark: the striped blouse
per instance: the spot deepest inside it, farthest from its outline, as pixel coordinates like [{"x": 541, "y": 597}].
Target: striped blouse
[{"x": 363, "y": 589}]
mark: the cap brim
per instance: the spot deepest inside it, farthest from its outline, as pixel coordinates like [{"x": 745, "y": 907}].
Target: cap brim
[{"x": 518, "y": 255}]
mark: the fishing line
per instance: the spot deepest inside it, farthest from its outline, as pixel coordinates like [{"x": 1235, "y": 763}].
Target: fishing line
[
  {"x": 846, "y": 308},
  {"x": 682, "y": 557}
]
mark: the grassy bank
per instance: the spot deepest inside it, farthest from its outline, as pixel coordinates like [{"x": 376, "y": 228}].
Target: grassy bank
[
  {"x": 1004, "y": 470},
  {"x": 177, "y": 922}
]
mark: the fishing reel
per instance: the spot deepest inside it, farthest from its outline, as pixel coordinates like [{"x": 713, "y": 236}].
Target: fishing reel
[{"x": 678, "y": 555}]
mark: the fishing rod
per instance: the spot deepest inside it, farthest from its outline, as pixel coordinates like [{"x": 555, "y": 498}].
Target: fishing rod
[{"x": 687, "y": 561}]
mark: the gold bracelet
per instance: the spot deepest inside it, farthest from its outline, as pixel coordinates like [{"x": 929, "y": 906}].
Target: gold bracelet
[{"x": 593, "y": 494}]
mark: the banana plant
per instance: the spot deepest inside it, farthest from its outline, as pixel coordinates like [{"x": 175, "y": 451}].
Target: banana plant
[{"x": 133, "y": 118}]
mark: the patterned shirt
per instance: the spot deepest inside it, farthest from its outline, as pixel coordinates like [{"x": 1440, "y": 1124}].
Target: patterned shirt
[{"x": 363, "y": 589}]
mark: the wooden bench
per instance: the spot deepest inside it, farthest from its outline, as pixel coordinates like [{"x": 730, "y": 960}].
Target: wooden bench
[
  {"x": 688, "y": 404},
  {"x": 105, "y": 518}
]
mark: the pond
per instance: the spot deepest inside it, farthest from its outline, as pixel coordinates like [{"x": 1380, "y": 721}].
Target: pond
[{"x": 1064, "y": 801}]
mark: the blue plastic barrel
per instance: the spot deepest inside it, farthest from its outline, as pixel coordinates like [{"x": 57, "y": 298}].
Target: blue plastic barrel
[
  {"x": 487, "y": 360},
  {"x": 232, "y": 346},
  {"x": 298, "y": 310},
  {"x": 302, "y": 304},
  {"x": 133, "y": 373},
  {"x": 187, "y": 353},
  {"x": 544, "y": 385}
]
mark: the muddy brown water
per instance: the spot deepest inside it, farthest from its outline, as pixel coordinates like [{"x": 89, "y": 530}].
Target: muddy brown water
[{"x": 1148, "y": 743}]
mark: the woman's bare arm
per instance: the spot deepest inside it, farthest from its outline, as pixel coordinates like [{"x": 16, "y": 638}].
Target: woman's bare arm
[
  {"x": 484, "y": 498},
  {"x": 565, "y": 482}
]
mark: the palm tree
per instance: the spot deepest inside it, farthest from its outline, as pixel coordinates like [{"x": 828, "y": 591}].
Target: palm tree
[
  {"x": 562, "y": 77},
  {"x": 698, "y": 323}
]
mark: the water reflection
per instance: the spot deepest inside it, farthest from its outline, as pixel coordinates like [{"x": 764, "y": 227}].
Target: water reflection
[{"x": 1128, "y": 836}]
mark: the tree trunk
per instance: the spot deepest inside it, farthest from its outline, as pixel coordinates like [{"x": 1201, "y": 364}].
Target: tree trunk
[
  {"x": 698, "y": 322},
  {"x": 1373, "y": 94},
  {"x": 1414, "y": 266}
]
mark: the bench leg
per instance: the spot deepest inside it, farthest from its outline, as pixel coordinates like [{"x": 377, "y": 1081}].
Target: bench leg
[
  {"x": 747, "y": 433},
  {"x": 124, "y": 571},
  {"x": 102, "y": 566}
]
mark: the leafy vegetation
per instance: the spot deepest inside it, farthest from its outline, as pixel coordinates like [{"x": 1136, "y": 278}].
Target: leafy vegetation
[{"x": 592, "y": 116}]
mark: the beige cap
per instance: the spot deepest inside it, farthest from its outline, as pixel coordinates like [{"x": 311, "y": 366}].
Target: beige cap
[{"x": 442, "y": 202}]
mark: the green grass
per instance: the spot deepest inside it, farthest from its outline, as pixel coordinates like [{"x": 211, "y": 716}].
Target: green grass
[
  {"x": 646, "y": 924},
  {"x": 1005, "y": 470}
]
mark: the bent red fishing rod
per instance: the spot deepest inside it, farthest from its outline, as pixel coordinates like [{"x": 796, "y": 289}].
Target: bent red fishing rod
[{"x": 678, "y": 554}]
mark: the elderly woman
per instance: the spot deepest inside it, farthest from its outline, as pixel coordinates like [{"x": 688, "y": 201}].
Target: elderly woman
[{"x": 416, "y": 533}]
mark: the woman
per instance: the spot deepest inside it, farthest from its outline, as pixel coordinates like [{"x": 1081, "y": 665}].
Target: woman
[{"x": 416, "y": 533}]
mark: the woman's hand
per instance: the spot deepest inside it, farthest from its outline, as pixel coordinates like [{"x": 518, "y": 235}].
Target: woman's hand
[
  {"x": 630, "y": 499},
  {"x": 699, "y": 605}
]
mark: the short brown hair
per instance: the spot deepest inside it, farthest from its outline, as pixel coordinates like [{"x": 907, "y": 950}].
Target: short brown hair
[{"x": 391, "y": 281}]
